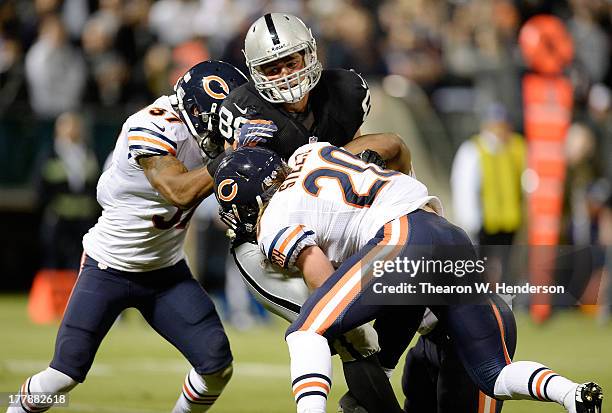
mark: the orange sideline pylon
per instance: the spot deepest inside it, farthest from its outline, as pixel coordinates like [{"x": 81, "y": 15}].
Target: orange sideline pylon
[{"x": 49, "y": 295}]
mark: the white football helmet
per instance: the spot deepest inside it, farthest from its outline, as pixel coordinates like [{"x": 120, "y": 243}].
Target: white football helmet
[{"x": 273, "y": 37}]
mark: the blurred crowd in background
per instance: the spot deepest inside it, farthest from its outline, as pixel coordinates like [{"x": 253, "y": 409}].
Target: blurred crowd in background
[
  {"x": 60, "y": 55},
  {"x": 72, "y": 70}
]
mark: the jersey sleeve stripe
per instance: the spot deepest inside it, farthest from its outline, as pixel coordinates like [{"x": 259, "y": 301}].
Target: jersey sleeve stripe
[
  {"x": 149, "y": 149},
  {"x": 154, "y": 142},
  {"x": 156, "y": 134},
  {"x": 296, "y": 243},
  {"x": 273, "y": 243},
  {"x": 289, "y": 238}
]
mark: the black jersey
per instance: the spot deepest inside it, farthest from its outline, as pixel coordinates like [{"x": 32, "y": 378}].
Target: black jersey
[{"x": 337, "y": 107}]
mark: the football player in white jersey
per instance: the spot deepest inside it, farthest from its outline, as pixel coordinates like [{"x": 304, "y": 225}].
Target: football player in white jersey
[
  {"x": 133, "y": 256},
  {"x": 289, "y": 101},
  {"x": 327, "y": 208}
]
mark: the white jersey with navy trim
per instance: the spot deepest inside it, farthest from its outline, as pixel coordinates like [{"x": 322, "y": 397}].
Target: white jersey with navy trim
[
  {"x": 139, "y": 230},
  {"x": 337, "y": 202}
]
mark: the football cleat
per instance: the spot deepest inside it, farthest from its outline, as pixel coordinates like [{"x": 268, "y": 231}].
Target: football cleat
[
  {"x": 348, "y": 404},
  {"x": 589, "y": 397}
]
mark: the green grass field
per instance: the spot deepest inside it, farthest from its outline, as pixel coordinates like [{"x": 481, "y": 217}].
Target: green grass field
[{"x": 138, "y": 372}]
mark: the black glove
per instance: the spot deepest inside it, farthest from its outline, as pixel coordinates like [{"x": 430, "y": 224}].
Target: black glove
[
  {"x": 240, "y": 237},
  {"x": 236, "y": 233},
  {"x": 212, "y": 149},
  {"x": 212, "y": 143},
  {"x": 370, "y": 156}
]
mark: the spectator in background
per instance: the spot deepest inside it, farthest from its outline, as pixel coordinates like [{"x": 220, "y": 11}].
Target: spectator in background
[
  {"x": 55, "y": 71},
  {"x": 605, "y": 239},
  {"x": 479, "y": 49},
  {"x": 486, "y": 180},
  {"x": 219, "y": 21},
  {"x": 600, "y": 121},
  {"x": 232, "y": 52},
  {"x": 134, "y": 37},
  {"x": 584, "y": 197},
  {"x": 157, "y": 67},
  {"x": 132, "y": 41},
  {"x": 32, "y": 15},
  {"x": 351, "y": 44},
  {"x": 67, "y": 194},
  {"x": 107, "y": 70},
  {"x": 74, "y": 16},
  {"x": 582, "y": 172},
  {"x": 413, "y": 41},
  {"x": 11, "y": 56},
  {"x": 185, "y": 55},
  {"x": 173, "y": 20},
  {"x": 591, "y": 46}
]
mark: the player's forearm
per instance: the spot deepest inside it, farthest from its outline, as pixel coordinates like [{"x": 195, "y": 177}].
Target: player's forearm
[
  {"x": 175, "y": 183},
  {"x": 390, "y": 146},
  {"x": 315, "y": 266},
  {"x": 189, "y": 188}
]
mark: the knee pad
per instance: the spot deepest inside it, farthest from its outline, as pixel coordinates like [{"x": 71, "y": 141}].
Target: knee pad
[{"x": 360, "y": 342}]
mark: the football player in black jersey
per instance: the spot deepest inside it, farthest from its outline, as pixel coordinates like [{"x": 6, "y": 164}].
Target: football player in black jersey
[
  {"x": 301, "y": 103},
  {"x": 294, "y": 102},
  {"x": 289, "y": 87}
]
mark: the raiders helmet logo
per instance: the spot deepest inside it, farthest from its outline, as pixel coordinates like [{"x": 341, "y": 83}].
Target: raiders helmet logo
[
  {"x": 206, "y": 84},
  {"x": 223, "y": 193}
]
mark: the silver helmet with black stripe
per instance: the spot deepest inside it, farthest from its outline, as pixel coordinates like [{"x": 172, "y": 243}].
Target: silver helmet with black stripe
[{"x": 275, "y": 36}]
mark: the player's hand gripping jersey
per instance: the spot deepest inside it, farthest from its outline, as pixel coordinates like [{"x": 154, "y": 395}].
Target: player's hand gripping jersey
[
  {"x": 139, "y": 230},
  {"x": 337, "y": 107},
  {"x": 334, "y": 200}
]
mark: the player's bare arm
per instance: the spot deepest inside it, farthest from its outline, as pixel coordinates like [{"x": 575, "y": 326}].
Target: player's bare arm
[
  {"x": 315, "y": 266},
  {"x": 174, "y": 182},
  {"x": 390, "y": 146}
]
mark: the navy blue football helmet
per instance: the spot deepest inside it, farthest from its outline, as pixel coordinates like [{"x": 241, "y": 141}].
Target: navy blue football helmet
[
  {"x": 198, "y": 96},
  {"x": 245, "y": 180}
]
